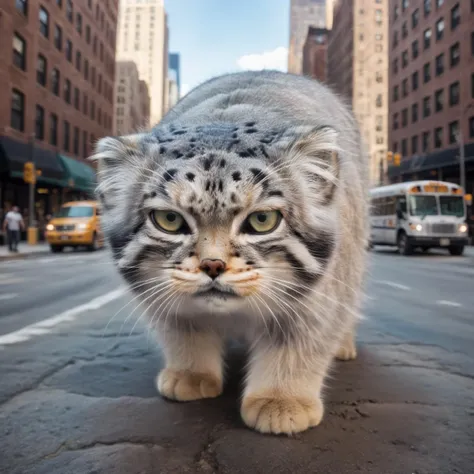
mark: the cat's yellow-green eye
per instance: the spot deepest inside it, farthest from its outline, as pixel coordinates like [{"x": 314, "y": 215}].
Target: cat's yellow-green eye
[
  {"x": 262, "y": 222},
  {"x": 168, "y": 221}
]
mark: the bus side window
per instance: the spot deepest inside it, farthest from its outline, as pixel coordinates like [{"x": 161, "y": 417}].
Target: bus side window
[{"x": 401, "y": 206}]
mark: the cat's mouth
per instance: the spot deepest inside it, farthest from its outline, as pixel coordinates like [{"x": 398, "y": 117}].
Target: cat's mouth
[{"x": 216, "y": 292}]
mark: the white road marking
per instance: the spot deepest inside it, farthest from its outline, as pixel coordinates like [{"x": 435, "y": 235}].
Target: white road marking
[
  {"x": 8, "y": 296},
  {"x": 11, "y": 281},
  {"x": 449, "y": 303},
  {"x": 394, "y": 285},
  {"x": 45, "y": 326}
]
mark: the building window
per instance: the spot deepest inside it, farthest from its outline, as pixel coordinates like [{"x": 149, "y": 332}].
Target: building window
[
  {"x": 472, "y": 42},
  {"x": 414, "y": 113},
  {"x": 472, "y": 86},
  {"x": 396, "y": 12},
  {"x": 395, "y": 66},
  {"x": 79, "y": 23},
  {"x": 19, "y": 52},
  {"x": 55, "y": 81},
  {"x": 93, "y": 76},
  {"x": 99, "y": 116},
  {"x": 427, "y": 7},
  {"x": 405, "y": 5},
  {"x": 395, "y": 147},
  {"x": 94, "y": 45},
  {"x": 426, "y": 141},
  {"x": 395, "y": 121},
  {"x": 415, "y": 18},
  {"x": 53, "y": 129},
  {"x": 404, "y": 30},
  {"x": 471, "y": 127},
  {"x": 77, "y": 98},
  {"x": 378, "y": 77},
  {"x": 404, "y": 87},
  {"x": 378, "y": 48},
  {"x": 427, "y": 38},
  {"x": 405, "y": 59},
  {"x": 453, "y": 132},
  {"x": 85, "y": 104},
  {"x": 378, "y": 123},
  {"x": 92, "y": 110},
  {"x": 99, "y": 87},
  {"x": 88, "y": 34},
  {"x": 414, "y": 81},
  {"x": 59, "y": 3},
  {"x": 22, "y": 6},
  {"x": 438, "y": 137},
  {"x": 76, "y": 141},
  {"x": 101, "y": 51},
  {"x": 414, "y": 145},
  {"x": 439, "y": 100},
  {"x": 67, "y": 91},
  {"x": 455, "y": 17},
  {"x": 395, "y": 39},
  {"x": 454, "y": 93},
  {"x": 439, "y": 29},
  {"x": 44, "y": 21},
  {"x": 78, "y": 60},
  {"x": 39, "y": 123},
  {"x": 404, "y": 147},
  {"x": 439, "y": 3},
  {"x": 66, "y": 135},
  {"x": 414, "y": 49},
  {"x": 454, "y": 54},
  {"x": 426, "y": 107},
  {"x": 41, "y": 70},
  {"x": 58, "y": 37},
  {"x": 17, "y": 119},
  {"x": 404, "y": 118},
  {"x": 426, "y": 73},
  {"x": 69, "y": 50},
  {"x": 439, "y": 64},
  {"x": 86, "y": 69},
  {"x": 69, "y": 11},
  {"x": 84, "y": 145},
  {"x": 395, "y": 93}
]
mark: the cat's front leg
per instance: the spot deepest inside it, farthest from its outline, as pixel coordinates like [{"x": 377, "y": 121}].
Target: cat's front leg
[
  {"x": 283, "y": 391},
  {"x": 194, "y": 367}
]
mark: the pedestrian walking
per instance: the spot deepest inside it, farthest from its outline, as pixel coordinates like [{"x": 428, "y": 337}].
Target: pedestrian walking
[{"x": 12, "y": 225}]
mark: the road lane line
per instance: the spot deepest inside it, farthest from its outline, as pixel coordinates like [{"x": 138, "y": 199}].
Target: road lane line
[
  {"x": 45, "y": 326},
  {"x": 8, "y": 296},
  {"x": 394, "y": 285},
  {"x": 449, "y": 303}
]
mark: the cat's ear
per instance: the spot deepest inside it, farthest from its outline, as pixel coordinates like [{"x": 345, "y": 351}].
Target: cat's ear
[{"x": 314, "y": 155}]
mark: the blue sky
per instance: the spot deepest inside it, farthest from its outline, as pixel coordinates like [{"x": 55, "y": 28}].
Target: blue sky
[{"x": 218, "y": 36}]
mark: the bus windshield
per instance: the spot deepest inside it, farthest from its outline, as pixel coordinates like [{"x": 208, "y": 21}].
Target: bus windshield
[
  {"x": 423, "y": 206},
  {"x": 451, "y": 206}
]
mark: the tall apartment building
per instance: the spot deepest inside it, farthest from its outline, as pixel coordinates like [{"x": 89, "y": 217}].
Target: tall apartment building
[
  {"x": 315, "y": 52},
  {"x": 358, "y": 70},
  {"x": 143, "y": 39},
  {"x": 57, "y": 67},
  {"x": 129, "y": 100},
  {"x": 432, "y": 89},
  {"x": 303, "y": 14}
]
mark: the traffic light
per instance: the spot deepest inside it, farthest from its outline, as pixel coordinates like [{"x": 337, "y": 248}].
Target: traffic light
[
  {"x": 29, "y": 172},
  {"x": 390, "y": 156},
  {"x": 396, "y": 159}
]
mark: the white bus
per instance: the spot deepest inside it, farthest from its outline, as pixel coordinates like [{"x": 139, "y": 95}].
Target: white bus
[{"x": 419, "y": 214}]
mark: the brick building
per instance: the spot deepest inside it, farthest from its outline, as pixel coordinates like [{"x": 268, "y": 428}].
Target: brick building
[
  {"x": 315, "y": 52},
  {"x": 57, "y": 66},
  {"x": 432, "y": 89}
]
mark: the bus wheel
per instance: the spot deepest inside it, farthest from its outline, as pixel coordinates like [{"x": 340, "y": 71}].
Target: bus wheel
[
  {"x": 404, "y": 247},
  {"x": 456, "y": 249}
]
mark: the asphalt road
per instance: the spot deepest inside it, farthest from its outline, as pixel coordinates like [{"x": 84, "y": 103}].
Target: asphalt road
[{"x": 77, "y": 376}]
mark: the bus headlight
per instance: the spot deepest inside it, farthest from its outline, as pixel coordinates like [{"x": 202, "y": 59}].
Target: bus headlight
[
  {"x": 462, "y": 228},
  {"x": 417, "y": 227}
]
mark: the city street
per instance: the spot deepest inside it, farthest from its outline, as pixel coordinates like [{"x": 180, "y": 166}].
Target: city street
[{"x": 77, "y": 371}]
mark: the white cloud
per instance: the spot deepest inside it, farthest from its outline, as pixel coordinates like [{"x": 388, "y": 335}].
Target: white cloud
[
  {"x": 185, "y": 89},
  {"x": 276, "y": 59}
]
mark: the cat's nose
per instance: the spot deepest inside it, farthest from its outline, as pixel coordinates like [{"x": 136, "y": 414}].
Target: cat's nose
[{"x": 213, "y": 267}]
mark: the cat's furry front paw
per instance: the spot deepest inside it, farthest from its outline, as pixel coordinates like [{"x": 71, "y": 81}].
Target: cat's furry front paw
[
  {"x": 346, "y": 353},
  {"x": 184, "y": 386},
  {"x": 281, "y": 415}
]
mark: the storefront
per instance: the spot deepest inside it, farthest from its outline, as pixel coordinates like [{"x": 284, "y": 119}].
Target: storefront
[{"x": 60, "y": 179}]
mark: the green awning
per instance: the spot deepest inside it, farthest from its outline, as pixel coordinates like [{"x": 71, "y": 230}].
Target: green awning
[{"x": 78, "y": 175}]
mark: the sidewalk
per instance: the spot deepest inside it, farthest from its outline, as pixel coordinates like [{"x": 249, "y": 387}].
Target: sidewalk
[
  {"x": 25, "y": 251},
  {"x": 83, "y": 400}
]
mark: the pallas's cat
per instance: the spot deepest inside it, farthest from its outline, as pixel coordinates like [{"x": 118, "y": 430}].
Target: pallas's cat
[{"x": 243, "y": 214}]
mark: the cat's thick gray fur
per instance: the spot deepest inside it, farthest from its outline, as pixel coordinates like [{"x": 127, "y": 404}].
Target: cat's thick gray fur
[{"x": 233, "y": 144}]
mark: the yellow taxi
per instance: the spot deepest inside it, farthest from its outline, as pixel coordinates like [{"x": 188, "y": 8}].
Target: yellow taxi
[{"x": 76, "y": 224}]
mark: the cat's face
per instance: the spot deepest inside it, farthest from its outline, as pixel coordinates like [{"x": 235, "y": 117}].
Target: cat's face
[{"x": 216, "y": 232}]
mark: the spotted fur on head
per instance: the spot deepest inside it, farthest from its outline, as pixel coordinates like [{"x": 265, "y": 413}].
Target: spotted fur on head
[{"x": 240, "y": 144}]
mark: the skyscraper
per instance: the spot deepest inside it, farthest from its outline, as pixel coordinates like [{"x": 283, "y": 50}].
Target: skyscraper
[
  {"x": 303, "y": 14},
  {"x": 143, "y": 39}
]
